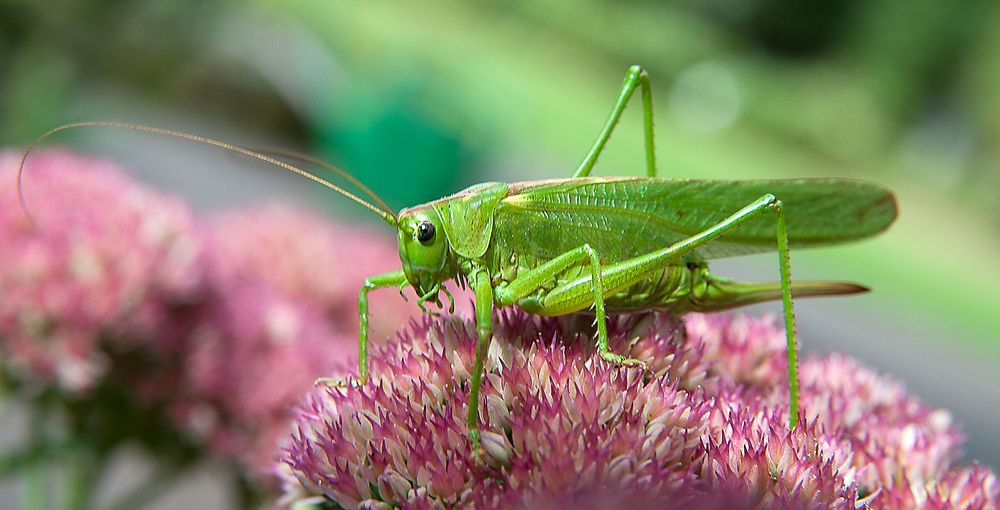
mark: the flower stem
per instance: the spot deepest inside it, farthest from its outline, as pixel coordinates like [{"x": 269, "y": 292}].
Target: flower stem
[
  {"x": 81, "y": 474},
  {"x": 34, "y": 483},
  {"x": 18, "y": 461},
  {"x": 34, "y": 453},
  {"x": 34, "y": 488}
]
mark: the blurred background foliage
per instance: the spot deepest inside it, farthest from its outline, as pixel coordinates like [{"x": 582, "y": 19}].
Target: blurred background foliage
[{"x": 420, "y": 99}]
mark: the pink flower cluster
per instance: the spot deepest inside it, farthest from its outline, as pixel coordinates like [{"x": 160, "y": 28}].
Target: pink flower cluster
[
  {"x": 104, "y": 260},
  {"x": 232, "y": 318},
  {"x": 561, "y": 429},
  {"x": 282, "y": 312}
]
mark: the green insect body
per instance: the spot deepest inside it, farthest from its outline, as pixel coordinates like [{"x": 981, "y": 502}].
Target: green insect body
[
  {"x": 528, "y": 245},
  {"x": 615, "y": 244},
  {"x": 607, "y": 244},
  {"x": 511, "y": 229}
]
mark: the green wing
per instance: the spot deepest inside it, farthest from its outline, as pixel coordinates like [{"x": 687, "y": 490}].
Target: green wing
[{"x": 626, "y": 217}]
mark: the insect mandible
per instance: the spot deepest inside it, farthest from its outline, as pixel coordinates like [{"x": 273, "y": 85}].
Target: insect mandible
[{"x": 610, "y": 244}]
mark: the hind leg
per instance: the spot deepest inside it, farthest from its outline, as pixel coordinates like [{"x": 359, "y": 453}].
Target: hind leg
[{"x": 635, "y": 77}]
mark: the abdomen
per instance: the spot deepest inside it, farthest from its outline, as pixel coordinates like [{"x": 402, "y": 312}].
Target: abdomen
[{"x": 661, "y": 290}]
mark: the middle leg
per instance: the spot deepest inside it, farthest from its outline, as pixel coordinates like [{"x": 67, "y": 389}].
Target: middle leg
[{"x": 532, "y": 280}]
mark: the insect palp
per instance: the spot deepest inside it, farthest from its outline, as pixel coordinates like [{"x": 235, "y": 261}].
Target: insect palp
[
  {"x": 451, "y": 299},
  {"x": 432, "y": 293}
]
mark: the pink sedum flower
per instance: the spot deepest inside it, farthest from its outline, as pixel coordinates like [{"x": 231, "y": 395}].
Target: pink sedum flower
[
  {"x": 226, "y": 322},
  {"x": 562, "y": 429},
  {"x": 105, "y": 260},
  {"x": 282, "y": 313},
  {"x": 252, "y": 355},
  {"x": 559, "y": 425},
  {"x": 309, "y": 258},
  {"x": 972, "y": 488},
  {"x": 896, "y": 438}
]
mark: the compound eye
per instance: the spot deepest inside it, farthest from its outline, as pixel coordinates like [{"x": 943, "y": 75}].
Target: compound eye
[{"x": 425, "y": 232}]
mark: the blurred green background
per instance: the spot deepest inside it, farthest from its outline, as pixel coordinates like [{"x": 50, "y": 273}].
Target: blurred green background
[{"x": 420, "y": 99}]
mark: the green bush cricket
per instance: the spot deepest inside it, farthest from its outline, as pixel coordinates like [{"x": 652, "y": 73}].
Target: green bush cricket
[{"x": 610, "y": 244}]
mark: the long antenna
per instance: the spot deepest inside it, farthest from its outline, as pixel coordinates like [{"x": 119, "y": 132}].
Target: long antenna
[
  {"x": 386, "y": 215},
  {"x": 305, "y": 158}
]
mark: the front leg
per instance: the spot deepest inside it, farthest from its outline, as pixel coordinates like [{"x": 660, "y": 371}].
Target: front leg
[
  {"x": 393, "y": 279},
  {"x": 484, "y": 330}
]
